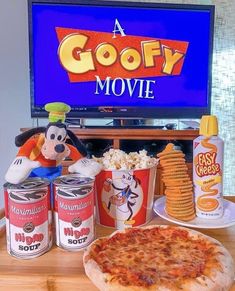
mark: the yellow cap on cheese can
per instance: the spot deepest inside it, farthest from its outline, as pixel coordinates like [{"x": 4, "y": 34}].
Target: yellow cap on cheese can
[{"x": 209, "y": 125}]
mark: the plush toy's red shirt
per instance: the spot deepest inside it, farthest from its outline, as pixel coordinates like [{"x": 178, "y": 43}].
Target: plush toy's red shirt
[{"x": 30, "y": 144}]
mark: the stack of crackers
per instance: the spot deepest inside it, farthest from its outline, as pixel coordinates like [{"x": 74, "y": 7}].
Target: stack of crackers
[{"x": 179, "y": 187}]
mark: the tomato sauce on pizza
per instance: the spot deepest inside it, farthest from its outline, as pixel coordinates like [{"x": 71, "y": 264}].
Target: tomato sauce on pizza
[{"x": 157, "y": 257}]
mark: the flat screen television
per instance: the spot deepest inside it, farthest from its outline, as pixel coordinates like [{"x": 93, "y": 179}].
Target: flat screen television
[{"x": 121, "y": 59}]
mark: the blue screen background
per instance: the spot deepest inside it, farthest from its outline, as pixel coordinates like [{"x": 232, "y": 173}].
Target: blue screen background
[{"x": 51, "y": 82}]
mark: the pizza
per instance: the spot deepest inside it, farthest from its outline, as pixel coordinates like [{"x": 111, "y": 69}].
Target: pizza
[{"x": 159, "y": 258}]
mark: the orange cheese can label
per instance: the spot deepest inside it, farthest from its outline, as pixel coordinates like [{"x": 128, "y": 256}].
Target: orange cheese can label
[{"x": 208, "y": 176}]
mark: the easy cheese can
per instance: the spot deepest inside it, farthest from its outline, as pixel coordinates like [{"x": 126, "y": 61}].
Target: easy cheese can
[{"x": 208, "y": 151}]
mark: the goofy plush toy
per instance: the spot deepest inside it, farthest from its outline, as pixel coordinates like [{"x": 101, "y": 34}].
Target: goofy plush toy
[{"x": 43, "y": 149}]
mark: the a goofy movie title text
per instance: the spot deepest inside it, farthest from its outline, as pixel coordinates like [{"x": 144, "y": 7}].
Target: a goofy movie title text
[{"x": 119, "y": 63}]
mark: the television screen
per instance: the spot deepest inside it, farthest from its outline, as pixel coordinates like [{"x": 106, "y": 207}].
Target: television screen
[{"x": 121, "y": 59}]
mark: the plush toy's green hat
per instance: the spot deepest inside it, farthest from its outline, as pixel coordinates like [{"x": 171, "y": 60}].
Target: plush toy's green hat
[{"x": 57, "y": 111}]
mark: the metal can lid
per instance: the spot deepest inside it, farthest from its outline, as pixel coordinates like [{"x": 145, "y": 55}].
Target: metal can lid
[
  {"x": 73, "y": 180},
  {"x": 29, "y": 183}
]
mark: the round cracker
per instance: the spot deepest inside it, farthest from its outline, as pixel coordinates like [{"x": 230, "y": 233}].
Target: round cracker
[
  {"x": 176, "y": 175},
  {"x": 186, "y": 185},
  {"x": 167, "y": 161},
  {"x": 179, "y": 204},
  {"x": 166, "y": 153},
  {"x": 172, "y": 155},
  {"x": 179, "y": 208},
  {"x": 177, "y": 183},
  {"x": 175, "y": 179},
  {"x": 179, "y": 214},
  {"x": 175, "y": 169},
  {"x": 178, "y": 192},
  {"x": 185, "y": 218},
  {"x": 172, "y": 163},
  {"x": 178, "y": 199}
]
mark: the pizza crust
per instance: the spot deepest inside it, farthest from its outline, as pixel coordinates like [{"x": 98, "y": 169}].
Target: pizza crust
[
  {"x": 219, "y": 280},
  {"x": 99, "y": 279}
]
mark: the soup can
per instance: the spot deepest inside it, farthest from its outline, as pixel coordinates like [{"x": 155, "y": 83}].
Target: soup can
[
  {"x": 28, "y": 218},
  {"x": 74, "y": 211}
]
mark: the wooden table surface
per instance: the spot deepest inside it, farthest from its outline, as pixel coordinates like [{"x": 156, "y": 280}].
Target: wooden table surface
[{"x": 61, "y": 270}]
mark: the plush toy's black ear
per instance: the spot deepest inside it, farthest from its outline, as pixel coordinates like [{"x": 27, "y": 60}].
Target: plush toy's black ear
[
  {"x": 77, "y": 143},
  {"x": 23, "y": 137}
]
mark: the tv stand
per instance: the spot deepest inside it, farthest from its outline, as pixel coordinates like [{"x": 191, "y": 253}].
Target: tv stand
[
  {"x": 127, "y": 122},
  {"x": 121, "y": 126},
  {"x": 115, "y": 123}
]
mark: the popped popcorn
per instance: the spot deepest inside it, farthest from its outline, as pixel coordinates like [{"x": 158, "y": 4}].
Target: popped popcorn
[{"x": 116, "y": 159}]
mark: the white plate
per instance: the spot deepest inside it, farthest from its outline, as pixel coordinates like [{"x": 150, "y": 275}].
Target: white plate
[{"x": 228, "y": 219}]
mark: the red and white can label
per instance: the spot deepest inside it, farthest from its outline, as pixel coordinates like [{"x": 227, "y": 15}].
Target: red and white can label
[
  {"x": 74, "y": 218},
  {"x": 27, "y": 222}
]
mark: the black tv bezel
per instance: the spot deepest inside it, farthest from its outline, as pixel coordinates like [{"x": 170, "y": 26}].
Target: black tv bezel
[{"x": 125, "y": 112}]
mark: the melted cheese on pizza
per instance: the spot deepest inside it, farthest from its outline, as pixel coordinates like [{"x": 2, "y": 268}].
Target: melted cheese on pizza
[{"x": 147, "y": 257}]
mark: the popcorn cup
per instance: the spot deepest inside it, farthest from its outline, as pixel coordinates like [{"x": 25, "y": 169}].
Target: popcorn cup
[{"x": 124, "y": 198}]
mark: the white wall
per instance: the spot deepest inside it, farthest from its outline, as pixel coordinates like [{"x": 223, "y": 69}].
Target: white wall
[{"x": 14, "y": 79}]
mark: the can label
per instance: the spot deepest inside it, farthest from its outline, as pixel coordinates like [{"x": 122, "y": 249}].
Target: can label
[
  {"x": 28, "y": 222},
  {"x": 74, "y": 216},
  {"x": 207, "y": 177}
]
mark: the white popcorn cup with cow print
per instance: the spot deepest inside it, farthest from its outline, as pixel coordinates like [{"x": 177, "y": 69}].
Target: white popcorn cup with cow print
[{"x": 124, "y": 198}]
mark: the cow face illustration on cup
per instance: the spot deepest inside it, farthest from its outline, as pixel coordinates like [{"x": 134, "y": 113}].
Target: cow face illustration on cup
[{"x": 122, "y": 196}]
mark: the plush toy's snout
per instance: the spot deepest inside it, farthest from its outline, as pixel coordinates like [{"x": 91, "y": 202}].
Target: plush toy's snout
[
  {"x": 59, "y": 148},
  {"x": 55, "y": 150}
]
